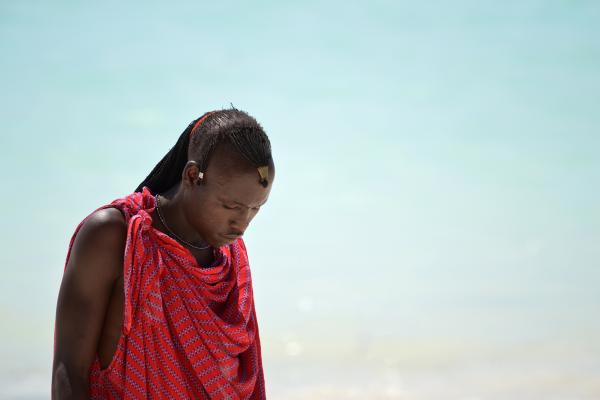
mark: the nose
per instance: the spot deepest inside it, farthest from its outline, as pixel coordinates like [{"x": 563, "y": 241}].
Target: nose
[{"x": 240, "y": 223}]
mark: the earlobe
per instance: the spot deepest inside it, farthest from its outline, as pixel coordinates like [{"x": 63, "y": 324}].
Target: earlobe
[{"x": 193, "y": 175}]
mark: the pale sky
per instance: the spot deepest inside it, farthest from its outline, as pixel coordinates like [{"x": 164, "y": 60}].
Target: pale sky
[{"x": 437, "y": 169}]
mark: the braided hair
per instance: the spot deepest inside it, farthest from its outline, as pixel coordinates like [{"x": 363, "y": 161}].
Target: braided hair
[{"x": 197, "y": 142}]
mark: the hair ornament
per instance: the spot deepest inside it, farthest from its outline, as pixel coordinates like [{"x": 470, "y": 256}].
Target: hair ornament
[
  {"x": 200, "y": 121},
  {"x": 263, "y": 172}
]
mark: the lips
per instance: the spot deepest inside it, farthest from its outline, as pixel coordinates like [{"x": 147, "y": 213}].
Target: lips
[{"x": 232, "y": 236}]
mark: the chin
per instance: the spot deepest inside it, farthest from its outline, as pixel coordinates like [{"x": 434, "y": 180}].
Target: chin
[{"x": 219, "y": 241}]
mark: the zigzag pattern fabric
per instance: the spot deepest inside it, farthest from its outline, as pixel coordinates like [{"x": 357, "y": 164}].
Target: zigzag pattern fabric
[{"x": 189, "y": 332}]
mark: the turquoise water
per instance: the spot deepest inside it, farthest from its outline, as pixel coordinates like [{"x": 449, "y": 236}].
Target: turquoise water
[{"x": 433, "y": 231}]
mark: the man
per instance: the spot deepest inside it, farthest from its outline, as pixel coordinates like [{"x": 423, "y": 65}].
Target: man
[{"x": 156, "y": 300}]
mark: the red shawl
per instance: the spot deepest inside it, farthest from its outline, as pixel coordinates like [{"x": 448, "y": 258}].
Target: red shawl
[{"x": 188, "y": 332}]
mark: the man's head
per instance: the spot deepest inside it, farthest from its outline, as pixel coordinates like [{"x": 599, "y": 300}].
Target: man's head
[{"x": 224, "y": 170}]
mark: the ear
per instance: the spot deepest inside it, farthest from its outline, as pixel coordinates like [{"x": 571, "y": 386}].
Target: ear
[{"x": 191, "y": 174}]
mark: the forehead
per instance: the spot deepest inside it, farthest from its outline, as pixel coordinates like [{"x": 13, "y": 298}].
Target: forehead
[
  {"x": 228, "y": 174},
  {"x": 238, "y": 186}
]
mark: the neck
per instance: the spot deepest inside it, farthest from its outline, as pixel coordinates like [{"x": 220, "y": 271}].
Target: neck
[{"x": 171, "y": 208}]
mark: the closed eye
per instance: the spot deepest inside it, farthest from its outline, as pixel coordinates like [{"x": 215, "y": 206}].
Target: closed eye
[{"x": 257, "y": 209}]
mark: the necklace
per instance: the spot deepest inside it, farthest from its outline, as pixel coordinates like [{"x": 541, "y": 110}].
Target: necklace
[{"x": 169, "y": 229}]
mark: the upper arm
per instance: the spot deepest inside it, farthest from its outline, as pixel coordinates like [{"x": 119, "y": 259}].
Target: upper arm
[{"x": 94, "y": 264}]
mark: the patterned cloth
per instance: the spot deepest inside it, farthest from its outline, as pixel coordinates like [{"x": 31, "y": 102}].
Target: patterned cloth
[{"x": 189, "y": 332}]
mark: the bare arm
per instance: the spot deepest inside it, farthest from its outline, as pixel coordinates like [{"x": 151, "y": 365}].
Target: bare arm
[{"x": 94, "y": 265}]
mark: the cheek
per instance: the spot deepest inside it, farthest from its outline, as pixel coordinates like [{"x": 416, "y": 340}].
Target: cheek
[{"x": 214, "y": 220}]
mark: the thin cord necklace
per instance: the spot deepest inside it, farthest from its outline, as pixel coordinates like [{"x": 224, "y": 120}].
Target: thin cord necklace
[{"x": 169, "y": 229}]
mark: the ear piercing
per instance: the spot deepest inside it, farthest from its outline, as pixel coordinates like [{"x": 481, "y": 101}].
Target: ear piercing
[{"x": 200, "y": 177}]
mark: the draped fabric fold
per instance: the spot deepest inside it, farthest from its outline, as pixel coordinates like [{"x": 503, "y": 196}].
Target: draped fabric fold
[{"x": 189, "y": 332}]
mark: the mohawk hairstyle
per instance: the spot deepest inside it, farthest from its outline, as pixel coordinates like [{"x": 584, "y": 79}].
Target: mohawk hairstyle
[{"x": 232, "y": 126}]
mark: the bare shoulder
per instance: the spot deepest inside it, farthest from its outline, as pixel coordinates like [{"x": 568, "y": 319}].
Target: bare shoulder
[
  {"x": 105, "y": 222},
  {"x": 100, "y": 242}
]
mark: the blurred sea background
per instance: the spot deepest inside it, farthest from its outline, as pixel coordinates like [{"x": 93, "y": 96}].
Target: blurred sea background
[{"x": 434, "y": 228}]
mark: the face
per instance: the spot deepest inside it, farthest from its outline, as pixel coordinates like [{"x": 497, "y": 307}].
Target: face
[{"x": 230, "y": 196}]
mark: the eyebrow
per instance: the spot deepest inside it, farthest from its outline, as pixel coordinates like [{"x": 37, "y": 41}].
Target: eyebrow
[{"x": 241, "y": 204}]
